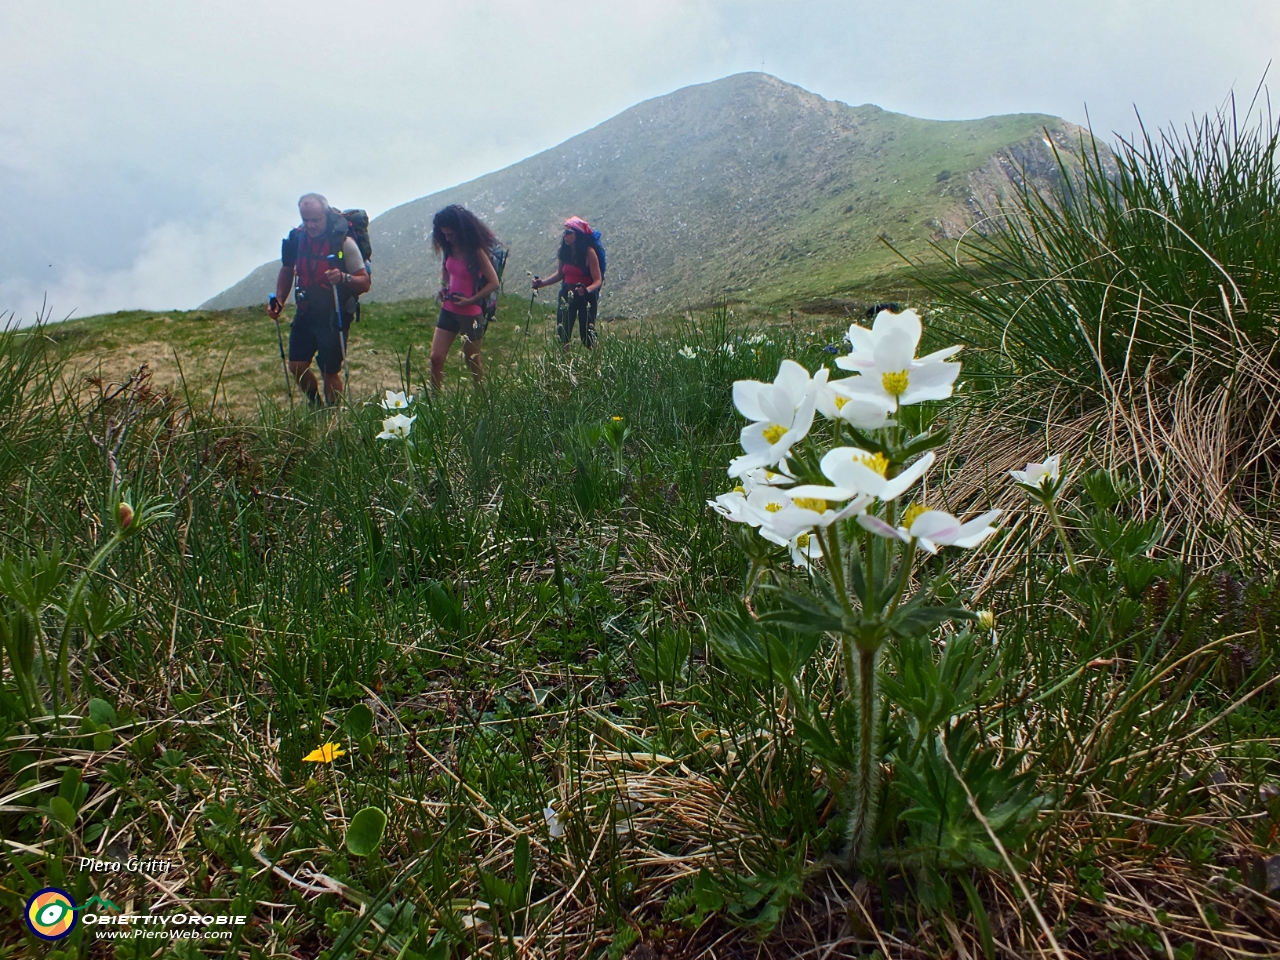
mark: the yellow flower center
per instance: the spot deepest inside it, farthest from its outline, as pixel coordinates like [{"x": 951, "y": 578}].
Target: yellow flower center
[
  {"x": 911, "y": 513},
  {"x": 802, "y": 541},
  {"x": 895, "y": 384},
  {"x": 773, "y": 507},
  {"x": 876, "y": 462},
  {"x": 810, "y": 503},
  {"x": 841, "y": 401},
  {"x": 774, "y": 432},
  {"x": 739, "y": 489}
]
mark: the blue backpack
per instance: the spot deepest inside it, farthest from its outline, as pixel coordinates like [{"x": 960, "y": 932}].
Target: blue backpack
[{"x": 595, "y": 236}]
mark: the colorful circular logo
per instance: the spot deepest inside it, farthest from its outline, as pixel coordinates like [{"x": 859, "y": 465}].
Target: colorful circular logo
[{"x": 51, "y": 914}]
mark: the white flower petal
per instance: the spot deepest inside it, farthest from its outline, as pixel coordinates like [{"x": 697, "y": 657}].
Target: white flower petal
[
  {"x": 793, "y": 378},
  {"x": 855, "y": 506},
  {"x": 894, "y": 351},
  {"x": 892, "y": 489},
  {"x": 939, "y": 355},
  {"x": 879, "y": 527},
  {"x": 746, "y": 398},
  {"x": 818, "y": 492},
  {"x": 554, "y": 826},
  {"x": 936, "y": 525},
  {"x": 905, "y": 323}
]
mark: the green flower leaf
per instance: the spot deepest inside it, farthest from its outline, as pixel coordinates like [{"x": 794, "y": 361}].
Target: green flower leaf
[
  {"x": 101, "y": 712},
  {"x": 359, "y": 721},
  {"x": 63, "y": 812},
  {"x": 364, "y": 836}
]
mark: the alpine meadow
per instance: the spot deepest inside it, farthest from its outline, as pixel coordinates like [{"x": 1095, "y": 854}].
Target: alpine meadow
[{"x": 775, "y": 625}]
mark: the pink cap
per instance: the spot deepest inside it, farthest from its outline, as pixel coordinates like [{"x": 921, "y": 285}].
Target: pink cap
[{"x": 578, "y": 224}]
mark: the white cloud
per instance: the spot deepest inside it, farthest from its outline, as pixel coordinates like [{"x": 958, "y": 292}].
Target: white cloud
[{"x": 152, "y": 151}]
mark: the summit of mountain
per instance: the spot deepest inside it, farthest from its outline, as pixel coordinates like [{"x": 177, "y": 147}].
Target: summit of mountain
[{"x": 747, "y": 186}]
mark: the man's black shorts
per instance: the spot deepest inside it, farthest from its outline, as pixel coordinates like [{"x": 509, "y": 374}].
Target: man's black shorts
[
  {"x": 316, "y": 335},
  {"x": 471, "y": 327}
]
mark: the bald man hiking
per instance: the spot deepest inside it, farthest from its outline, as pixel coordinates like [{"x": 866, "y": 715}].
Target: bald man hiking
[{"x": 330, "y": 273}]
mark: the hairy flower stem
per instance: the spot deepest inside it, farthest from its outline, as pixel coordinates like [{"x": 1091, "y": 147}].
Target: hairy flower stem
[
  {"x": 74, "y": 610},
  {"x": 862, "y": 819},
  {"x": 1062, "y": 533}
]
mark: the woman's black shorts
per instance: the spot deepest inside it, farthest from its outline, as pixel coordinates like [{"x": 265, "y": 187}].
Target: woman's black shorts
[{"x": 470, "y": 327}]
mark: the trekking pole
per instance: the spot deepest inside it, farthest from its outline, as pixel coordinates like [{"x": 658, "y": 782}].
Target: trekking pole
[
  {"x": 342, "y": 344},
  {"x": 530, "y": 315},
  {"x": 273, "y": 303}
]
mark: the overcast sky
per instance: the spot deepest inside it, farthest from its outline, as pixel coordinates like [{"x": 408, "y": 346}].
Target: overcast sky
[{"x": 151, "y": 151}]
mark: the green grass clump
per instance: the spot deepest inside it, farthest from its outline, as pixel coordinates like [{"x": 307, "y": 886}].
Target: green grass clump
[
  {"x": 503, "y": 632},
  {"x": 1130, "y": 314}
]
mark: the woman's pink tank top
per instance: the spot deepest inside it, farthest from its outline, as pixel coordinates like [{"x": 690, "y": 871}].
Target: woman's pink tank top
[
  {"x": 463, "y": 281},
  {"x": 574, "y": 275}
]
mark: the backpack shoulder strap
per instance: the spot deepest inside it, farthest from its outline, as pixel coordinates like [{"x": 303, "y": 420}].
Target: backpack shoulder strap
[{"x": 290, "y": 248}]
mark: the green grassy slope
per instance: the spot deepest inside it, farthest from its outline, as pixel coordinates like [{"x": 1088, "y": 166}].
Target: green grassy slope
[
  {"x": 237, "y": 349},
  {"x": 747, "y": 186}
]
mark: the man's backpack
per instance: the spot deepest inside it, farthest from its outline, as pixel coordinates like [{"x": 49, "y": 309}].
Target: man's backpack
[{"x": 357, "y": 223}]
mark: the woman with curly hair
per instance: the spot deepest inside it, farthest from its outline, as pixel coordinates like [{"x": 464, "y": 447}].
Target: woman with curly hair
[
  {"x": 580, "y": 277},
  {"x": 467, "y": 278}
]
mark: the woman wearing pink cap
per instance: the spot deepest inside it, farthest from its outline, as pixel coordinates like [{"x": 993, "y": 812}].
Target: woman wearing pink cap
[{"x": 580, "y": 278}]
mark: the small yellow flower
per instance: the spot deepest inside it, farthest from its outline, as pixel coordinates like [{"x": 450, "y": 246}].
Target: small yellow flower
[
  {"x": 617, "y": 419},
  {"x": 327, "y": 753}
]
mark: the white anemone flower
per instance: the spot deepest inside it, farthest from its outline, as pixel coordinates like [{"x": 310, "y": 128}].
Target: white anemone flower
[
  {"x": 858, "y": 471},
  {"x": 396, "y": 401},
  {"x": 397, "y": 427},
  {"x": 688, "y": 352},
  {"x": 783, "y": 514},
  {"x": 836, "y": 401},
  {"x": 733, "y": 505},
  {"x": 885, "y": 361},
  {"x": 804, "y": 548},
  {"x": 781, "y": 413},
  {"x": 1042, "y": 477},
  {"x": 554, "y": 826},
  {"x": 932, "y": 529}
]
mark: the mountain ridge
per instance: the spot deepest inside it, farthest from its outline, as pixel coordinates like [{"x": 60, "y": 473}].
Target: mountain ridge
[{"x": 745, "y": 187}]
